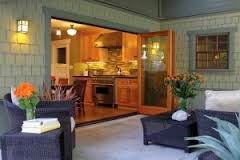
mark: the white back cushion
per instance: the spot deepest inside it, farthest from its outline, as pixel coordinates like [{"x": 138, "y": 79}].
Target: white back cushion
[
  {"x": 13, "y": 97},
  {"x": 228, "y": 101}
]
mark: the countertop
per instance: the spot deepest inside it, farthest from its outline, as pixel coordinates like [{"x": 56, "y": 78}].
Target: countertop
[{"x": 115, "y": 76}]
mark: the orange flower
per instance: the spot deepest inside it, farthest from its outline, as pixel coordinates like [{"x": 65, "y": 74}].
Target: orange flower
[{"x": 25, "y": 90}]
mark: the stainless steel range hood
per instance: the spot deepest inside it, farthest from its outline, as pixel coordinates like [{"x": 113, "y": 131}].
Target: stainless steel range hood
[{"x": 109, "y": 40}]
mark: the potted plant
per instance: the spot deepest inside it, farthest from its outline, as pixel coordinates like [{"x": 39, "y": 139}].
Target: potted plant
[
  {"x": 58, "y": 96},
  {"x": 228, "y": 147},
  {"x": 28, "y": 99}
]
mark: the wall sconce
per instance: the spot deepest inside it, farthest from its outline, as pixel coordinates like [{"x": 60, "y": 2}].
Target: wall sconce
[{"x": 22, "y": 26}]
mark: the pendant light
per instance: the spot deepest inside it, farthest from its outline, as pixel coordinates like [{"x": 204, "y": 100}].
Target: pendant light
[
  {"x": 71, "y": 31},
  {"x": 58, "y": 32}
]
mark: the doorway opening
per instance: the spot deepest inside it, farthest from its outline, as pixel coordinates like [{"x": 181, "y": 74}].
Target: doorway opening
[{"x": 106, "y": 58}]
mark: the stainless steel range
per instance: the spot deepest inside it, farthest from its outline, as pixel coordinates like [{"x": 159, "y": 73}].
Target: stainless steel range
[{"x": 104, "y": 90}]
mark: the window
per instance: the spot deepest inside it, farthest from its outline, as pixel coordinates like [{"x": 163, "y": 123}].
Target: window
[
  {"x": 61, "y": 56},
  {"x": 211, "y": 50}
]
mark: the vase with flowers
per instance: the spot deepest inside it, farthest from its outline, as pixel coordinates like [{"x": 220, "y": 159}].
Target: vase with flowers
[
  {"x": 28, "y": 99},
  {"x": 184, "y": 86}
]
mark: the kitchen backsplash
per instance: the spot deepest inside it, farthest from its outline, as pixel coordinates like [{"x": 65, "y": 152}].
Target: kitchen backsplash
[{"x": 108, "y": 67}]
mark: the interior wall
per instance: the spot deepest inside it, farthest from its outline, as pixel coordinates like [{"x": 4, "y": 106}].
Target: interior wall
[
  {"x": 215, "y": 80},
  {"x": 74, "y": 47}
]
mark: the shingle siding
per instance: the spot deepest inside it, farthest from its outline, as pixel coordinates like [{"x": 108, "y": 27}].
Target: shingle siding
[{"x": 215, "y": 80}]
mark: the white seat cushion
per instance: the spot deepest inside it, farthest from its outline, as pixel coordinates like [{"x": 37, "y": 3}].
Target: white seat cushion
[
  {"x": 228, "y": 101},
  {"x": 73, "y": 124}
]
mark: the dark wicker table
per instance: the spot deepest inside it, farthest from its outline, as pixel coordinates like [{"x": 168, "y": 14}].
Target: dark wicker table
[
  {"x": 26, "y": 146},
  {"x": 161, "y": 129}
]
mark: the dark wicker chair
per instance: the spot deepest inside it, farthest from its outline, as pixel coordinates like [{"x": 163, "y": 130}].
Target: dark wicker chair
[
  {"x": 80, "y": 88},
  {"x": 205, "y": 127},
  {"x": 61, "y": 110}
]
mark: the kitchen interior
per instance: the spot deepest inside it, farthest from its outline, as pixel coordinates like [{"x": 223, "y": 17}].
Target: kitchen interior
[{"x": 106, "y": 58}]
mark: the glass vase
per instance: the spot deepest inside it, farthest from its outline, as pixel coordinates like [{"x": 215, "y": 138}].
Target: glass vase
[
  {"x": 184, "y": 103},
  {"x": 30, "y": 113}
]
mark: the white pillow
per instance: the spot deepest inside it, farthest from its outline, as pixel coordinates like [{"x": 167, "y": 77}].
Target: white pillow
[
  {"x": 13, "y": 97},
  {"x": 73, "y": 124},
  {"x": 228, "y": 101}
]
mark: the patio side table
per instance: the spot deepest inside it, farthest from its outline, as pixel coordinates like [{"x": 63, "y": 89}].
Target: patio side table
[
  {"x": 162, "y": 130},
  {"x": 27, "y": 146}
]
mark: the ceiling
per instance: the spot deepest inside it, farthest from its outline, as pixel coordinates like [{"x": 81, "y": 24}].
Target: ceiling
[{"x": 64, "y": 25}]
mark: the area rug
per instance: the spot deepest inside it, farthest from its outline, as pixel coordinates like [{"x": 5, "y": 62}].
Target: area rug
[{"x": 121, "y": 140}]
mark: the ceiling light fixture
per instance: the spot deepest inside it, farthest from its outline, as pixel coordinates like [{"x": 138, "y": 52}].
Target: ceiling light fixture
[
  {"x": 71, "y": 31},
  {"x": 58, "y": 32}
]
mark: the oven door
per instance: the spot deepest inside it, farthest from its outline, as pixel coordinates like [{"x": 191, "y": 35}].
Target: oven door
[{"x": 103, "y": 94}]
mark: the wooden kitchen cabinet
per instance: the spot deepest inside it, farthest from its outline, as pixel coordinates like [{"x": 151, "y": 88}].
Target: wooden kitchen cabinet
[
  {"x": 88, "y": 98},
  {"x": 127, "y": 92},
  {"x": 129, "y": 48},
  {"x": 88, "y": 50}
]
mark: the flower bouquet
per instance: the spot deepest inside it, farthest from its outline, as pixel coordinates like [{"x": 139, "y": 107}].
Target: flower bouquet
[
  {"x": 28, "y": 99},
  {"x": 184, "y": 86}
]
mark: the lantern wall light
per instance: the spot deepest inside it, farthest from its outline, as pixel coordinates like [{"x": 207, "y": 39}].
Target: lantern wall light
[{"x": 22, "y": 26}]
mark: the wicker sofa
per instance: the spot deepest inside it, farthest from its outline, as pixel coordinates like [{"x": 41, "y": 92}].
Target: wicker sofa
[
  {"x": 60, "y": 111},
  {"x": 205, "y": 125}
]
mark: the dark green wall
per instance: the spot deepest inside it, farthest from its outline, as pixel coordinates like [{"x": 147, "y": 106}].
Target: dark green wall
[{"x": 185, "y": 8}]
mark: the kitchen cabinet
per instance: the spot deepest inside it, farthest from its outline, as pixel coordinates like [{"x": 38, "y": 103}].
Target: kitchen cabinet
[
  {"x": 89, "y": 53},
  {"x": 88, "y": 92},
  {"x": 129, "y": 48},
  {"x": 127, "y": 92}
]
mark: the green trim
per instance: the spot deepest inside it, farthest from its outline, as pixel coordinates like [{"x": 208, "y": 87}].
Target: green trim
[
  {"x": 54, "y": 13},
  {"x": 192, "y": 47},
  {"x": 91, "y": 20}
]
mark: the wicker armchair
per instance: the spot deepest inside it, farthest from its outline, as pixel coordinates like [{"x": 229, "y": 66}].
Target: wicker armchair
[
  {"x": 205, "y": 126},
  {"x": 63, "y": 113}
]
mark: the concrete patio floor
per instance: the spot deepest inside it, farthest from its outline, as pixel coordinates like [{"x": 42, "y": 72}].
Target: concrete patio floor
[{"x": 121, "y": 140}]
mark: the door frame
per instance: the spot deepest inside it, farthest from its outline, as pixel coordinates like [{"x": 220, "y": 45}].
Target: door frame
[
  {"x": 151, "y": 110},
  {"x": 64, "y": 43},
  {"x": 50, "y": 13}
]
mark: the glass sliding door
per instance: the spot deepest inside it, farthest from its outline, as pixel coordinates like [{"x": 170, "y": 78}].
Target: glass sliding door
[{"x": 156, "y": 62}]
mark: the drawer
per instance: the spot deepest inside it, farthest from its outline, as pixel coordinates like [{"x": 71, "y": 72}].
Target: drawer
[
  {"x": 122, "y": 81},
  {"x": 133, "y": 81}
]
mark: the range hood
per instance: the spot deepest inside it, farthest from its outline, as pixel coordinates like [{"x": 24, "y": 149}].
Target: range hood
[{"x": 109, "y": 40}]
